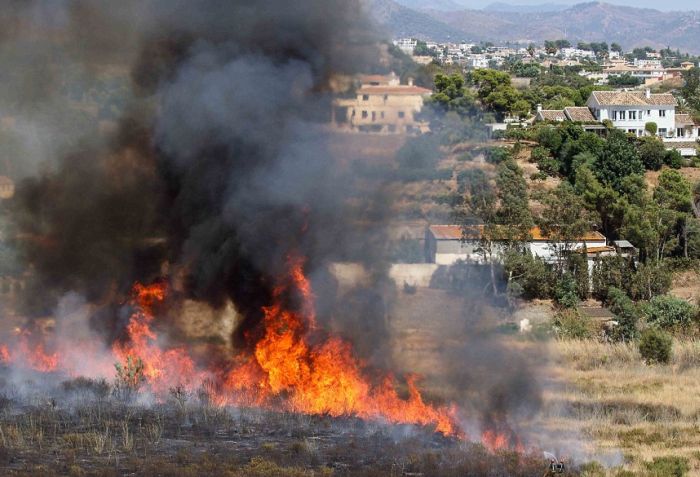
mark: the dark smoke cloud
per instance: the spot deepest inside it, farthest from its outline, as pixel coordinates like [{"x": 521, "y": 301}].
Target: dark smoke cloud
[{"x": 219, "y": 164}]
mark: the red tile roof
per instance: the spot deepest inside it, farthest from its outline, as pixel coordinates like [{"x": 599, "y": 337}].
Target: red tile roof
[
  {"x": 396, "y": 90},
  {"x": 625, "y": 98},
  {"x": 476, "y": 232}
]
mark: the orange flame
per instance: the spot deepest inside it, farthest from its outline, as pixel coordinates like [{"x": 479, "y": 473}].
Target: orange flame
[
  {"x": 4, "y": 354},
  {"x": 29, "y": 352},
  {"x": 323, "y": 378},
  {"x": 501, "y": 439},
  {"x": 162, "y": 369}
]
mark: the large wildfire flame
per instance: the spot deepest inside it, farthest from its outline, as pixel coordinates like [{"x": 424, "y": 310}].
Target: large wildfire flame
[{"x": 294, "y": 367}]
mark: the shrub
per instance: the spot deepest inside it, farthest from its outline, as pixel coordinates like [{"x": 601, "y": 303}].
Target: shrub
[
  {"x": 655, "y": 346},
  {"x": 627, "y": 315},
  {"x": 652, "y": 152},
  {"x": 566, "y": 292},
  {"x": 86, "y": 387},
  {"x": 407, "y": 250},
  {"x": 670, "y": 466},
  {"x": 673, "y": 159},
  {"x": 496, "y": 155},
  {"x": 419, "y": 153},
  {"x": 538, "y": 154},
  {"x": 549, "y": 166},
  {"x": 130, "y": 377},
  {"x": 669, "y": 313},
  {"x": 569, "y": 324},
  {"x": 652, "y": 128}
]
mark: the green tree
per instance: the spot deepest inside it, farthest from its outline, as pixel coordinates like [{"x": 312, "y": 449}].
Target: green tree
[
  {"x": 564, "y": 219},
  {"x": 577, "y": 265},
  {"x": 597, "y": 197},
  {"x": 478, "y": 207},
  {"x": 624, "y": 80},
  {"x": 527, "y": 276},
  {"x": 422, "y": 49},
  {"x": 130, "y": 377},
  {"x": 650, "y": 280},
  {"x": 691, "y": 88},
  {"x": 496, "y": 93},
  {"x": 514, "y": 201},
  {"x": 675, "y": 200},
  {"x": 610, "y": 272},
  {"x": 618, "y": 159},
  {"x": 626, "y": 314},
  {"x": 451, "y": 94},
  {"x": 566, "y": 292}
]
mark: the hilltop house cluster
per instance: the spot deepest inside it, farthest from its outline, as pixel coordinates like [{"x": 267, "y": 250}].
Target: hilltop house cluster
[
  {"x": 469, "y": 55},
  {"x": 646, "y": 71}
]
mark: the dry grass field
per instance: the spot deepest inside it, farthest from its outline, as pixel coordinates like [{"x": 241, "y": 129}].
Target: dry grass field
[{"x": 621, "y": 403}]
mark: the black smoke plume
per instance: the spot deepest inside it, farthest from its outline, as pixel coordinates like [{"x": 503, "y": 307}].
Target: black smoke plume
[{"x": 219, "y": 164}]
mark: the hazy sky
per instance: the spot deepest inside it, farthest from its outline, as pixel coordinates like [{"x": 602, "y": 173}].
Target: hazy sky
[{"x": 666, "y": 5}]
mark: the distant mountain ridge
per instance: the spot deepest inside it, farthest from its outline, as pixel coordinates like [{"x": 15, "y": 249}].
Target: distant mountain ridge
[
  {"x": 542, "y": 7},
  {"x": 593, "y": 21},
  {"x": 446, "y": 5},
  {"x": 401, "y": 21}
]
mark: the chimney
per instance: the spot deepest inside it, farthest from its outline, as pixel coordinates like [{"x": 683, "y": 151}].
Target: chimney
[
  {"x": 410, "y": 81},
  {"x": 647, "y": 93},
  {"x": 539, "y": 108}
]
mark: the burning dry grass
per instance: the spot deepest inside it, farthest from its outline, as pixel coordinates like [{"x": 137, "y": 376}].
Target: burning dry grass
[
  {"x": 83, "y": 434},
  {"x": 645, "y": 411}
]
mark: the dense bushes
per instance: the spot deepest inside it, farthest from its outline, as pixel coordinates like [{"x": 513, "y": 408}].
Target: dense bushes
[
  {"x": 570, "y": 324},
  {"x": 669, "y": 313},
  {"x": 643, "y": 283},
  {"x": 566, "y": 292},
  {"x": 655, "y": 346}
]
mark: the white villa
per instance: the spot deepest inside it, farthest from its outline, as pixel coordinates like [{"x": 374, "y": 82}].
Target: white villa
[{"x": 630, "y": 111}]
